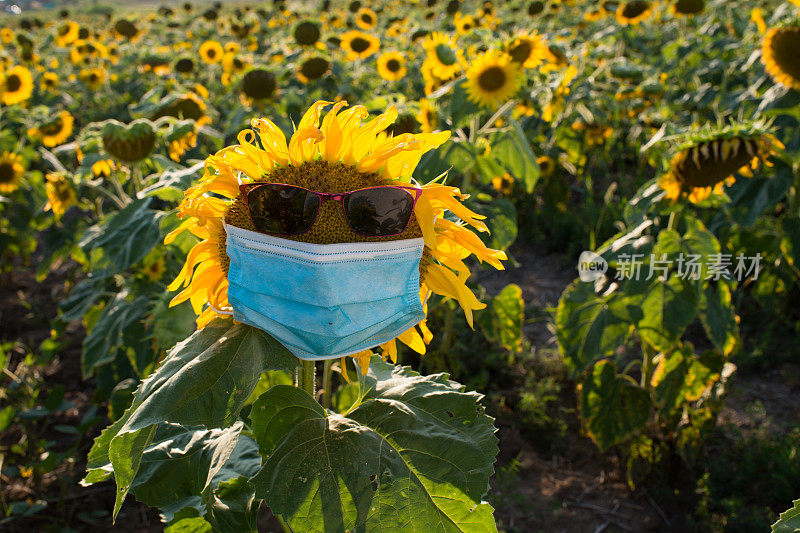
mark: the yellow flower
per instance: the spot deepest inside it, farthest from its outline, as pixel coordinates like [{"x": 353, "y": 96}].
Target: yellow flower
[
  {"x": 93, "y": 77},
  {"x": 54, "y": 132},
  {"x": 492, "y": 79},
  {"x": 67, "y": 33},
  {"x": 427, "y": 116},
  {"x": 17, "y": 85},
  {"x": 60, "y": 194},
  {"x": 702, "y": 168},
  {"x": 366, "y": 19},
  {"x": 556, "y": 104},
  {"x": 103, "y": 167},
  {"x": 11, "y": 172},
  {"x": 633, "y": 12},
  {"x": 211, "y": 52},
  {"x": 336, "y": 152},
  {"x": 155, "y": 268},
  {"x": 445, "y": 59},
  {"x": 6, "y": 35},
  {"x": 49, "y": 81},
  {"x": 504, "y": 183},
  {"x": 546, "y": 165},
  {"x": 527, "y": 50},
  {"x": 392, "y": 66},
  {"x": 359, "y": 45},
  {"x": 464, "y": 23},
  {"x": 781, "y": 55}
]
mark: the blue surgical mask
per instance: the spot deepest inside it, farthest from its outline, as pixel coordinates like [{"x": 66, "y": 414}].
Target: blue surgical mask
[{"x": 323, "y": 301}]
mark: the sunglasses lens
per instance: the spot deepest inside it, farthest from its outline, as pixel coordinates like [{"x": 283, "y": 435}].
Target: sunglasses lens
[
  {"x": 282, "y": 209},
  {"x": 379, "y": 211}
]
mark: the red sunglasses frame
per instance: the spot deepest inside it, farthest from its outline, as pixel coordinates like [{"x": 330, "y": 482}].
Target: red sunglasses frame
[{"x": 339, "y": 197}]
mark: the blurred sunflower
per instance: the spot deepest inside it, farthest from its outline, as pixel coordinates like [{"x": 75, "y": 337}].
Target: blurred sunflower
[
  {"x": 492, "y": 79},
  {"x": 313, "y": 68},
  {"x": 527, "y": 50},
  {"x": 366, "y": 19},
  {"x": 427, "y": 116},
  {"x": 55, "y": 131},
  {"x": 688, "y": 7},
  {"x": 17, "y": 85},
  {"x": 126, "y": 29},
  {"x": 445, "y": 59},
  {"x": 93, "y": 77},
  {"x": 307, "y": 33},
  {"x": 67, "y": 33},
  {"x": 781, "y": 55},
  {"x": 504, "y": 183},
  {"x": 546, "y": 165},
  {"x": 211, "y": 52},
  {"x": 392, "y": 66},
  {"x": 184, "y": 65},
  {"x": 633, "y": 12},
  {"x": 464, "y": 23},
  {"x": 60, "y": 194},
  {"x": 11, "y": 172},
  {"x": 103, "y": 168},
  {"x": 704, "y": 165},
  {"x": 343, "y": 152},
  {"x": 6, "y": 35},
  {"x": 359, "y": 45},
  {"x": 258, "y": 84}
]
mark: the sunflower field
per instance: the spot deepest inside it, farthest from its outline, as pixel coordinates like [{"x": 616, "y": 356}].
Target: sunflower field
[{"x": 556, "y": 294}]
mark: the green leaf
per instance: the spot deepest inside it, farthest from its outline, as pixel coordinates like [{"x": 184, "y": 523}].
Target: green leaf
[
  {"x": 81, "y": 298},
  {"x": 668, "y": 308},
  {"x": 788, "y": 521},
  {"x": 204, "y": 380},
  {"x": 416, "y": 454},
  {"x": 124, "y": 237},
  {"x": 613, "y": 408},
  {"x": 171, "y": 184},
  {"x": 717, "y": 315},
  {"x": 506, "y": 314},
  {"x": 462, "y": 156},
  {"x": 461, "y": 107},
  {"x": 513, "y": 151},
  {"x": 195, "y": 524},
  {"x": 234, "y": 506},
  {"x": 6, "y": 417},
  {"x": 590, "y": 326},
  {"x": 681, "y": 377},
  {"x": 696, "y": 242}
]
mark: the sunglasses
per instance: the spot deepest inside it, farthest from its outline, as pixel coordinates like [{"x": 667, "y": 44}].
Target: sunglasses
[{"x": 281, "y": 209}]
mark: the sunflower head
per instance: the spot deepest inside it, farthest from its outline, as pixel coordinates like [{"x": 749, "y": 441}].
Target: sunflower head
[
  {"x": 527, "y": 50},
  {"x": 342, "y": 151},
  {"x": 781, "y": 57},
  {"x": 55, "y": 131},
  {"x": 11, "y": 172},
  {"x": 707, "y": 160},
  {"x": 126, "y": 29},
  {"x": 392, "y": 66},
  {"x": 313, "y": 68},
  {"x": 129, "y": 142},
  {"x": 17, "y": 85},
  {"x": 444, "y": 57},
  {"x": 633, "y": 12},
  {"x": 492, "y": 79},
  {"x": 307, "y": 33},
  {"x": 60, "y": 194},
  {"x": 258, "y": 84},
  {"x": 689, "y": 8},
  {"x": 184, "y": 65},
  {"x": 211, "y": 52},
  {"x": 366, "y": 19},
  {"x": 359, "y": 45}
]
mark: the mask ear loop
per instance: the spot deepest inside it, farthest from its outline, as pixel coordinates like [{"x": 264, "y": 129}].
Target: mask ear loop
[{"x": 220, "y": 311}]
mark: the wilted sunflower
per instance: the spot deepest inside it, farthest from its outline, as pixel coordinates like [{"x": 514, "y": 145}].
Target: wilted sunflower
[
  {"x": 11, "y": 172},
  {"x": 60, "y": 194},
  {"x": 392, "y": 66},
  {"x": 781, "y": 55},
  {"x": 313, "y": 68},
  {"x": 688, "y": 7},
  {"x": 492, "y": 79},
  {"x": 633, "y": 12},
  {"x": 55, "y": 131},
  {"x": 342, "y": 153},
  {"x": 366, "y": 19},
  {"x": 17, "y": 85},
  {"x": 359, "y": 45},
  {"x": 703, "y": 165},
  {"x": 427, "y": 117},
  {"x": 258, "y": 84},
  {"x": 211, "y": 52},
  {"x": 527, "y": 50},
  {"x": 445, "y": 59},
  {"x": 67, "y": 33}
]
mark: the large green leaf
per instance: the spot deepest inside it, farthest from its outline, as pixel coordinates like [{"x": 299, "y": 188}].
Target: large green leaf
[
  {"x": 512, "y": 150},
  {"x": 204, "y": 380},
  {"x": 590, "y": 326},
  {"x": 696, "y": 243},
  {"x": 717, "y": 315},
  {"x": 415, "y": 455},
  {"x": 668, "y": 307},
  {"x": 681, "y": 377},
  {"x": 504, "y": 318},
  {"x": 123, "y": 238},
  {"x": 788, "y": 521},
  {"x": 613, "y": 408}
]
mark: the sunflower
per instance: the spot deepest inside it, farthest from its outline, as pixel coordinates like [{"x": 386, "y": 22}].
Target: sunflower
[
  {"x": 535, "y": 8},
  {"x": 258, "y": 84},
  {"x": 504, "y": 183},
  {"x": 6, "y": 35},
  {"x": 633, "y": 12},
  {"x": 392, "y": 66},
  {"x": 527, "y": 50},
  {"x": 781, "y": 57},
  {"x": 702, "y": 167},
  {"x": 60, "y": 194},
  {"x": 359, "y": 45},
  {"x": 307, "y": 33},
  {"x": 464, "y": 23},
  {"x": 313, "y": 68},
  {"x": 366, "y": 19},
  {"x": 126, "y": 29},
  {"x": 232, "y": 63},
  {"x": 93, "y": 77},
  {"x": 688, "y": 7},
  {"x": 67, "y": 33},
  {"x": 445, "y": 59},
  {"x": 54, "y": 132},
  {"x": 493, "y": 78},
  {"x": 427, "y": 116},
  {"x": 155, "y": 269},
  {"x": 11, "y": 172},
  {"x": 546, "y": 165},
  {"x": 184, "y": 65},
  {"x": 211, "y": 52},
  {"x": 103, "y": 168},
  {"x": 17, "y": 85},
  {"x": 343, "y": 152}
]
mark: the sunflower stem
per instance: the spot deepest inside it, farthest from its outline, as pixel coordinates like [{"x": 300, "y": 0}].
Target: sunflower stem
[
  {"x": 327, "y": 375},
  {"x": 306, "y": 377}
]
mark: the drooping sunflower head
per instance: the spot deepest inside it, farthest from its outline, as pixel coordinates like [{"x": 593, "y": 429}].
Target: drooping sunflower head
[
  {"x": 493, "y": 79},
  {"x": 17, "y": 85},
  {"x": 55, "y": 131},
  {"x": 444, "y": 57},
  {"x": 684, "y": 8},
  {"x": 342, "y": 151},
  {"x": 707, "y": 160},
  {"x": 183, "y": 106},
  {"x": 392, "y": 66},
  {"x": 313, "y": 68},
  {"x": 11, "y": 172},
  {"x": 633, "y": 12},
  {"x": 359, "y": 45},
  {"x": 780, "y": 53},
  {"x": 527, "y": 50},
  {"x": 129, "y": 142}
]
